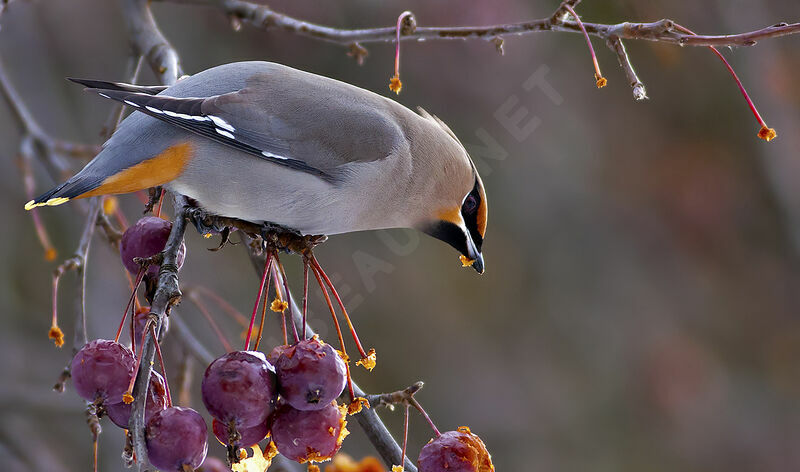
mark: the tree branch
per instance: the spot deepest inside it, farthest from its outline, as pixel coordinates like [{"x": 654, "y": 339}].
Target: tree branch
[
  {"x": 166, "y": 295},
  {"x": 261, "y": 16},
  {"x": 148, "y": 41},
  {"x": 616, "y": 45}
]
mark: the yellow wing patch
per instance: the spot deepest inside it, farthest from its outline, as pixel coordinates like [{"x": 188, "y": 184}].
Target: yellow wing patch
[{"x": 166, "y": 166}]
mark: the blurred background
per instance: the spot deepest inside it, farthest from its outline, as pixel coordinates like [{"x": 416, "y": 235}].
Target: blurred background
[{"x": 639, "y": 310}]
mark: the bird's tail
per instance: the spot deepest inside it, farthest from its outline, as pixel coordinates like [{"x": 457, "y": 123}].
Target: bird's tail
[
  {"x": 89, "y": 181},
  {"x": 75, "y": 187}
]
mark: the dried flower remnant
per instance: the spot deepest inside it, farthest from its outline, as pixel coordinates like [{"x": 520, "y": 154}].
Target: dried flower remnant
[
  {"x": 395, "y": 84},
  {"x": 258, "y": 462},
  {"x": 56, "y": 335},
  {"x": 278, "y": 305},
  {"x": 370, "y": 361}
]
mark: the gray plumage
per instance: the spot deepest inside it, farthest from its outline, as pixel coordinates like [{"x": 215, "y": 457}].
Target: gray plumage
[{"x": 272, "y": 143}]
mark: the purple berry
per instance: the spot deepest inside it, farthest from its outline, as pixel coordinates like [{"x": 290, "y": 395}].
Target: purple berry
[
  {"x": 312, "y": 435},
  {"x": 455, "y": 451},
  {"x": 102, "y": 370},
  {"x": 276, "y": 352},
  {"x": 249, "y": 436},
  {"x": 120, "y": 413},
  {"x": 311, "y": 374},
  {"x": 176, "y": 437},
  {"x": 147, "y": 238},
  {"x": 240, "y": 387}
]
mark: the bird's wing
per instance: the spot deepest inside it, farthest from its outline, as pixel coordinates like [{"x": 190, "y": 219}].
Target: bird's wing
[
  {"x": 327, "y": 123},
  {"x": 123, "y": 87},
  {"x": 191, "y": 114}
]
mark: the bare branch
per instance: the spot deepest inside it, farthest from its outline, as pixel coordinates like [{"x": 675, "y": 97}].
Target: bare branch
[
  {"x": 81, "y": 256},
  {"x": 167, "y": 294},
  {"x": 261, "y": 16},
  {"x": 148, "y": 41},
  {"x": 616, "y": 45}
]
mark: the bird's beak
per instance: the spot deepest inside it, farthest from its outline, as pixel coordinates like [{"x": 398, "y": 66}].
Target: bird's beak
[
  {"x": 459, "y": 238},
  {"x": 474, "y": 255}
]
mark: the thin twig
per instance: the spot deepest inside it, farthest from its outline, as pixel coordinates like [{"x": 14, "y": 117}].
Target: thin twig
[
  {"x": 616, "y": 45},
  {"x": 148, "y": 41}
]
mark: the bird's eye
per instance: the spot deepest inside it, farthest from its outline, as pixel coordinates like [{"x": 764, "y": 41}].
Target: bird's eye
[{"x": 470, "y": 204}]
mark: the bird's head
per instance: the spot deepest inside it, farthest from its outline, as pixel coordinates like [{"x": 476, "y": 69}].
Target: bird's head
[
  {"x": 463, "y": 225},
  {"x": 457, "y": 211}
]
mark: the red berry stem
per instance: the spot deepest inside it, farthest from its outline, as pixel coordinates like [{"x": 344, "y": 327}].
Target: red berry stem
[
  {"x": 341, "y": 305},
  {"x": 160, "y": 203},
  {"x": 598, "y": 76},
  {"x": 395, "y": 85},
  {"x": 766, "y": 133},
  {"x": 121, "y": 220},
  {"x": 30, "y": 185},
  {"x": 286, "y": 291},
  {"x": 279, "y": 296},
  {"x": 261, "y": 324},
  {"x": 147, "y": 324},
  {"x": 94, "y": 451},
  {"x": 413, "y": 402},
  {"x": 224, "y": 305},
  {"x": 136, "y": 302},
  {"x": 338, "y": 328},
  {"x": 207, "y": 315},
  {"x": 305, "y": 294},
  {"x": 160, "y": 361},
  {"x": 135, "y": 285},
  {"x": 54, "y": 329},
  {"x": 267, "y": 270}
]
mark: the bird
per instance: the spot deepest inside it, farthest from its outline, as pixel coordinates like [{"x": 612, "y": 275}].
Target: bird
[{"x": 266, "y": 143}]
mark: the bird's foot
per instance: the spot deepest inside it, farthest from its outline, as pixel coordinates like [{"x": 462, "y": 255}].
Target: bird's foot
[
  {"x": 280, "y": 238},
  {"x": 264, "y": 236},
  {"x": 206, "y": 223}
]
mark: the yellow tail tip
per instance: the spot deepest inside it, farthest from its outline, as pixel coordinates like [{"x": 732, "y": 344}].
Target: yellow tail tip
[
  {"x": 52, "y": 202},
  {"x": 56, "y": 201}
]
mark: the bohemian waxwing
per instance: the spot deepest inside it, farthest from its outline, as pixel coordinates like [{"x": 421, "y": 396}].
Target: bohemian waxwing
[{"x": 263, "y": 142}]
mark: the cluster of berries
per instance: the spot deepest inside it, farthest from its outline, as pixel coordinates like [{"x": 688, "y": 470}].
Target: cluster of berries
[
  {"x": 290, "y": 395},
  {"x": 102, "y": 372}
]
